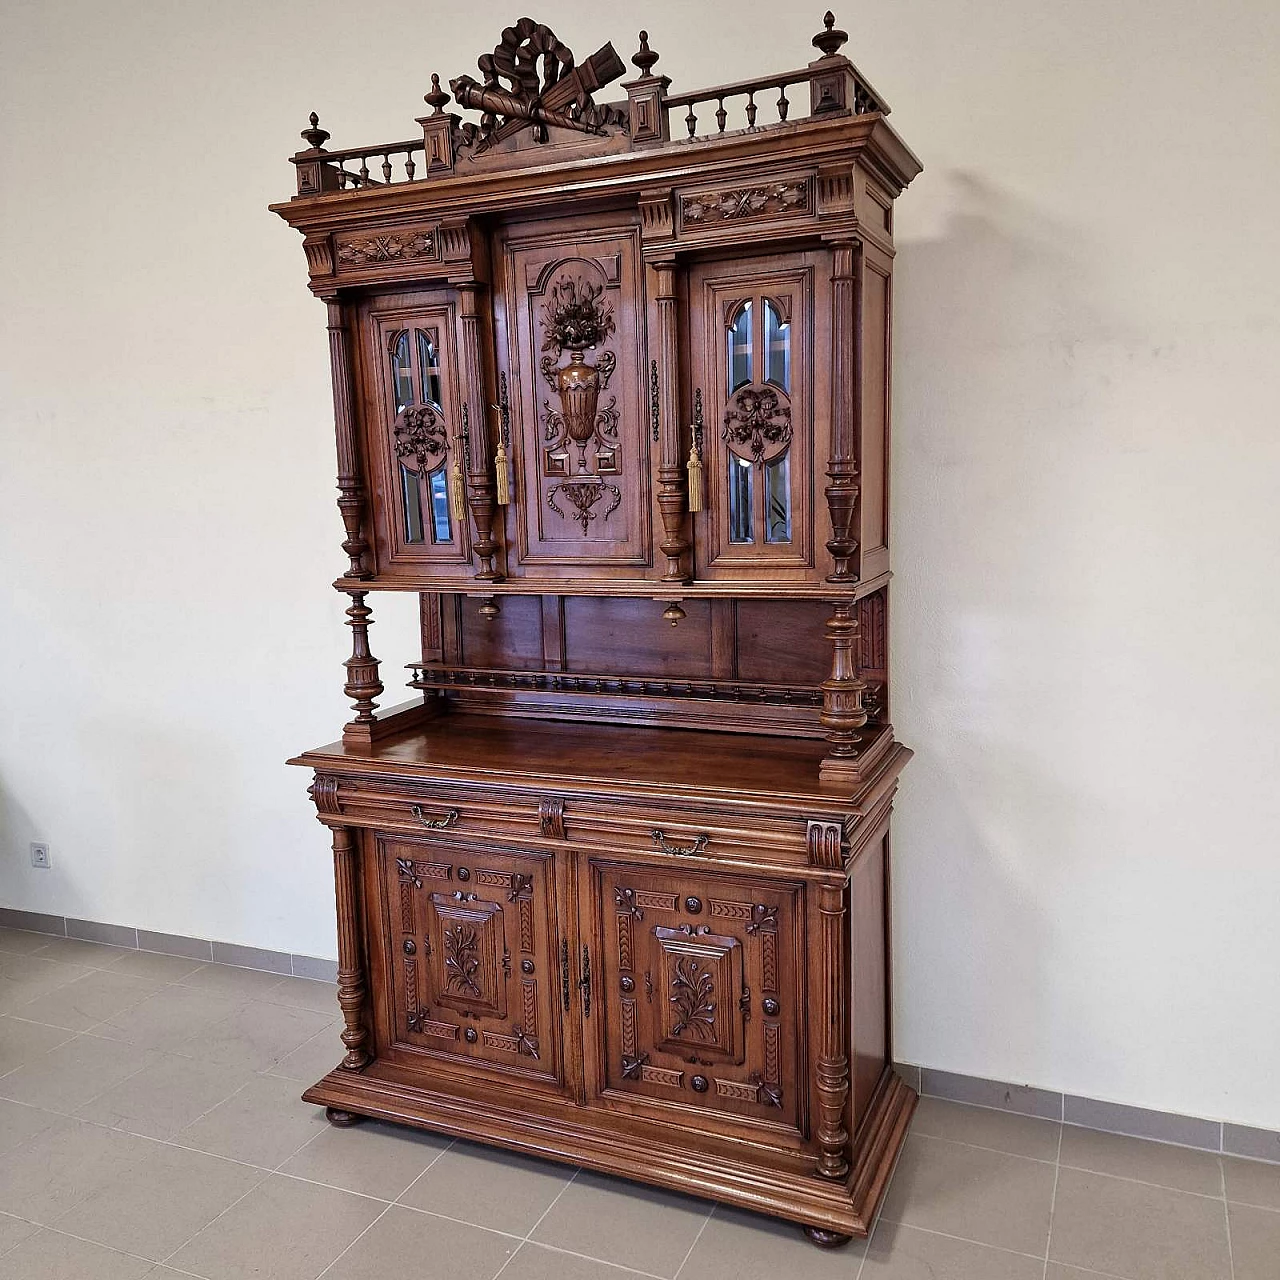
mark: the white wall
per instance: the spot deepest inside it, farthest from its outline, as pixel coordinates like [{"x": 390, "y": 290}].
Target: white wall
[{"x": 1085, "y": 523}]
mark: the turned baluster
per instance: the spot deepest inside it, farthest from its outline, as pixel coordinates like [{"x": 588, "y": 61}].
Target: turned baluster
[
  {"x": 386, "y": 168},
  {"x": 842, "y": 713},
  {"x": 721, "y": 115},
  {"x": 363, "y": 685},
  {"x": 783, "y": 104},
  {"x": 408, "y": 166},
  {"x": 751, "y": 109},
  {"x": 691, "y": 121}
]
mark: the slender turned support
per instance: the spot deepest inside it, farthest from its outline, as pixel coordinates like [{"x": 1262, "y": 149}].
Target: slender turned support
[
  {"x": 481, "y": 489},
  {"x": 352, "y": 990},
  {"x": 363, "y": 685},
  {"x": 846, "y": 406},
  {"x": 833, "y": 1045},
  {"x": 665, "y": 395},
  {"x": 842, "y": 713},
  {"x": 350, "y": 485}
]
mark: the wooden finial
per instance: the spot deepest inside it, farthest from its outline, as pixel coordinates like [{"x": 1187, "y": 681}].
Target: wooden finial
[
  {"x": 645, "y": 57},
  {"x": 315, "y": 136},
  {"x": 830, "y": 39},
  {"x": 437, "y": 98},
  {"x": 673, "y": 613}
]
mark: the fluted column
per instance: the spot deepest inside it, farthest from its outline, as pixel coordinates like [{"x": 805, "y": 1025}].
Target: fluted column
[
  {"x": 352, "y": 987},
  {"x": 833, "y": 1044},
  {"x": 846, "y": 405},
  {"x": 351, "y": 498}
]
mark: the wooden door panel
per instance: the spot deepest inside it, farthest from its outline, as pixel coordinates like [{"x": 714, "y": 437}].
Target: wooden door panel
[
  {"x": 471, "y": 947},
  {"x": 698, "y": 1003},
  {"x": 571, "y": 333}
]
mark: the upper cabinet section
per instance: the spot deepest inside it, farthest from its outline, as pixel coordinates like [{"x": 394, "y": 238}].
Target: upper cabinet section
[{"x": 637, "y": 347}]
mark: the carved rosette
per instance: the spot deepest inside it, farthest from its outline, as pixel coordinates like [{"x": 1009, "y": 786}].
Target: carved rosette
[
  {"x": 420, "y": 437},
  {"x": 757, "y": 423}
]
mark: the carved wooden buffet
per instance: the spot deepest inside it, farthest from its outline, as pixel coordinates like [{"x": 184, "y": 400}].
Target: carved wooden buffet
[{"x": 611, "y": 386}]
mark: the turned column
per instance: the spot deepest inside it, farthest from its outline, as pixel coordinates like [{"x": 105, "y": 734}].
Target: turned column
[
  {"x": 363, "y": 685},
  {"x": 481, "y": 490},
  {"x": 350, "y": 484},
  {"x": 842, "y": 713},
  {"x": 833, "y": 1042},
  {"x": 846, "y": 405},
  {"x": 352, "y": 988},
  {"x": 664, "y": 408}
]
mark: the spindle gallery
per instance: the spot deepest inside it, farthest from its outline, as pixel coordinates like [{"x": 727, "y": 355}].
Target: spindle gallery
[{"x": 611, "y": 386}]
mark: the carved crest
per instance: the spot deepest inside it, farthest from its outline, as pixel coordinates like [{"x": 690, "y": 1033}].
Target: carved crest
[
  {"x": 530, "y": 81},
  {"x": 420, "y": 437},
  {"x": 757, "y": 425}
]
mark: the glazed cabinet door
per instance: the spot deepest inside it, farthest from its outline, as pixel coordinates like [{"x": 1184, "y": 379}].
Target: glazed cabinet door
[
  {"x": 470, "y": 945},
  {"x": 570, "y": 336},
  {"x": 697, "y": 987},
  {"x": 759, "y": 404},
  {"x": 413, "y": 430}
]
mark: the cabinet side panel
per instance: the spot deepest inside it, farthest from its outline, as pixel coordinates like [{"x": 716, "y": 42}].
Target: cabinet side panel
[
  {"x": 869, "y": 1026},
  {"x": 874, "y": 479}
]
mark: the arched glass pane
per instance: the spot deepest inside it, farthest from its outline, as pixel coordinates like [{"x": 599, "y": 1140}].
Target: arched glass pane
[
  {"x": 777, "y": 499},
  {"x": 741, "y": 482},
  {"x": 777, "y": 348},
  {"x": 438, "y": 487},
  {"x": 402, "y": 371},
  {"x": 429, "y": 360},
  {"x": 411, "y": 488},
  {"x": 739, "y": 371}
]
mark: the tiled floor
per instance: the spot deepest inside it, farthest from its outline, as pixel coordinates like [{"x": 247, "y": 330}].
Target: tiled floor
[{"x": 150, "y": 1126}]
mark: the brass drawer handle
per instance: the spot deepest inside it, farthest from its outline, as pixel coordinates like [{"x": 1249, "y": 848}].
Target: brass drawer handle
[
  {"x": 684, "y": 851},
  {"x": 435, "y": 824}
]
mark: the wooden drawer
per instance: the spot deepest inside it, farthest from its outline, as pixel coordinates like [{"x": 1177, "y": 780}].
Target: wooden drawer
[{"x": 420, "y": 808}]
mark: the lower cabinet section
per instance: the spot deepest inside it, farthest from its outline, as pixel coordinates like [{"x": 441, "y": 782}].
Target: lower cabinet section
[{"x": 676, "y": 1019}]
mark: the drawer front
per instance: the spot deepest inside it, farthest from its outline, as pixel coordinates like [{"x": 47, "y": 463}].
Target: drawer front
[
  {"x": 470, "y": 938},
  {"x": 698, "y": 1011}
]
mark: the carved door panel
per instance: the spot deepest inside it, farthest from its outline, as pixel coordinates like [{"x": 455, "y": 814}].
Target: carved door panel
[
  {"x": 471, "y": 934},
  {"x": 762, "y": 402},
  {"x": 413, "y": 404},
  {"x": 570, "y": 334},
  {"x": 697, "y": 997}
]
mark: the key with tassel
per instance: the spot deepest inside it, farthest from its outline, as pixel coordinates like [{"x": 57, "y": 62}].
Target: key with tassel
[{"x": 694, "y": 464}]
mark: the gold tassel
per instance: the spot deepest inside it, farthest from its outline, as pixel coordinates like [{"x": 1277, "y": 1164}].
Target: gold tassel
[
  {"x": 457, "y": 493},
  {"x": 695, "y": 476},
  {"x": 503, "y": 474}
]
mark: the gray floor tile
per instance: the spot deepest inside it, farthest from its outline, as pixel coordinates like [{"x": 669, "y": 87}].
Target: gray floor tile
[
  {"x": 1255, "y": 1242},
  {"x": 1252, "y": 1182},
  {"x": 256, "y": 1036},
  {"x": 23, "y": 978},
  {"x": 20, "y": 1123},
  {"x": 167, "y": 1197},
  {"x": 899, "y": 1252},
  {"x": 616, "y": 1221},
  {"x": 1006, "y": 1131},
  {"x": 490, "y": 1188},
  {"x": 170, "y": 1016},
  {"x": 13, "y": 1231},
  {"x": 1138, "y": 1231},
  {"x": 67, "y": 1077},
  {"x": 151, "y": 964},
  {"x": 24, "y": 1041},
  {"x": 50, "y": 1255},
  {"x": 165, "y": 1097},
  {"x": 303, "y": 993},
  {"x": 97, "y": 955},
  {"x": 79, "y": 1005},
  {"x": 1181, "y": 1168},
  {"x": 540, "y": 1262},
  {"x": 60, "y": 1167},
  {"x": 735, "y": 1245},
  {"x": 311, "y": 1061},
  {"x": 299, "y": 1226},
  {"x": 373, "y": 1159},
  {"x": 21, "y": 942},
  {"x": 985, "y": 1196},
  {"x": 407, "y": 1243},
  {"x": 226, "y": 980},
  {"x": 263, "y": 1124}
]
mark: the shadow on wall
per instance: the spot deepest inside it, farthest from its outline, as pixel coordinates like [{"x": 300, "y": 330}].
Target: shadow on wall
[{"x": 992, "y": 417}]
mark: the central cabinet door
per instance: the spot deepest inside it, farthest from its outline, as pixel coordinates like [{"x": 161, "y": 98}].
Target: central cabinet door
[
  {"x": 471, "y": 939},
  {"x": 697, "y": 994},
  {"x": 570, "y": 336}
]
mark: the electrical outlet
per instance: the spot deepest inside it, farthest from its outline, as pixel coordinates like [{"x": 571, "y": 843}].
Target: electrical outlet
[{"x": 40, "y": 856}]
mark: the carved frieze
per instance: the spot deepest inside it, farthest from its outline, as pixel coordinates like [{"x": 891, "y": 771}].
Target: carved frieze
[
  {"x": 736, "y": 204},
  {"x": 378, "y": 249}
]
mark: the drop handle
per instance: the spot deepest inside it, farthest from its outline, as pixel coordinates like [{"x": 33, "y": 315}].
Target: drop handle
[
  {"x": 699, "y": 846},
  {"x": 436, "y": 824}
]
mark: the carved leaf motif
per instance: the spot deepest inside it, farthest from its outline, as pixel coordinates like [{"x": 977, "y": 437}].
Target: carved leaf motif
[
  {"x": 521, "y": 887},
  {"x": 633, "y": 1065},
  {"x": 758, "y": 422},
  {"x": 625, "y": 899},
  {"x": 461, "y": 959},
  {"x": 576, "y": 315},
  {"x": 385, "y": 248},
  {"x": 746, "y": 202},
  {"x": 420, "y": 437},
  {"x": 406, "y": 870},
  {"x": 763, "y": 919},
  {"x": 583, "y": 497},
  {"x": 692, "y": 992}
]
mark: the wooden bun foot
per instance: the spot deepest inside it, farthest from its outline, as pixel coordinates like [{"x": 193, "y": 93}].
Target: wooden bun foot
[
  {"x": 341, "y": 1119},
  {"x": 826, "y": 1239}
]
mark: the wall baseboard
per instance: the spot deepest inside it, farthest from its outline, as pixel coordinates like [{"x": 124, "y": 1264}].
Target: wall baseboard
[
  {"x": 1218, "y": 1136},
  {"x": 172, "y": 944}
]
